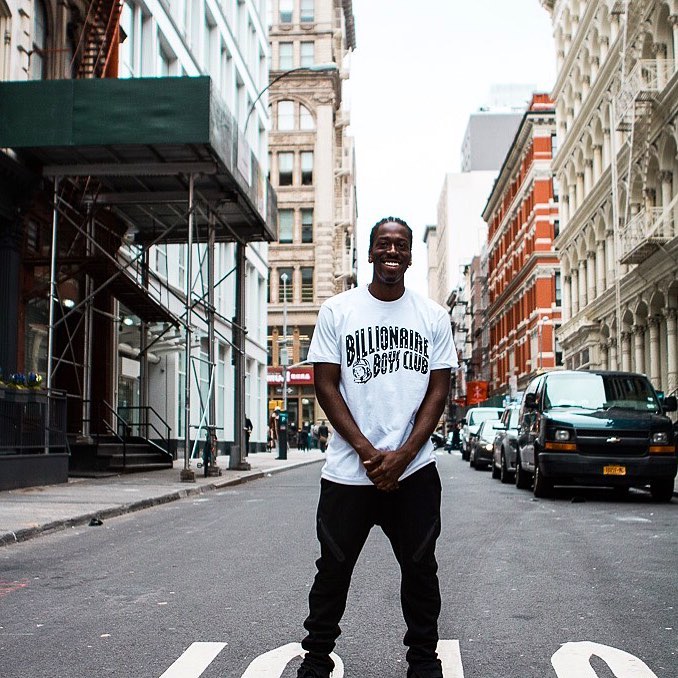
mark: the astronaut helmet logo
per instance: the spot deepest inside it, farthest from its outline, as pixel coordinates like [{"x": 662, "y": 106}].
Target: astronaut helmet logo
[{"x": 361, "y": 371}]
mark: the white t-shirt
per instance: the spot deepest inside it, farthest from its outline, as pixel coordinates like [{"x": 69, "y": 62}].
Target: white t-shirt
[{"x": 386, "y": 350}]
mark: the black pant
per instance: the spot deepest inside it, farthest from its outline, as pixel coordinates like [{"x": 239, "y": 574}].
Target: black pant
[{"x": 410, "y": 519}]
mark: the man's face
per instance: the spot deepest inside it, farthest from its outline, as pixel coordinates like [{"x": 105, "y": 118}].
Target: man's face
[{"x": 391, "y": 253}]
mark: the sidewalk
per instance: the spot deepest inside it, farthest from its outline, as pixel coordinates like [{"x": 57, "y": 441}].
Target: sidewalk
[{"x": 31, "y": 511}]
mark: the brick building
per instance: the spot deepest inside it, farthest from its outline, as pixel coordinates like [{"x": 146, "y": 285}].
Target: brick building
[{"x": 523, "y": 268}]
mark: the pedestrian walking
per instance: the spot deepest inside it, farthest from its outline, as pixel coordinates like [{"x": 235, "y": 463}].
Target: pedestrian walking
[
  {"x": 248, "y": 432},
  {"x": 323, "y": 435},
  {"x": 382, "y": 357}
]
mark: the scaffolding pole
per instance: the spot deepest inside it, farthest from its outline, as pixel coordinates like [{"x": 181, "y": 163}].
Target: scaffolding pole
[
  {"x": 213, "y": 469},
  {"x": 187, "y": 474},
  {"x": 237, "y": 455},
  {"x": 52, "y": 302}
]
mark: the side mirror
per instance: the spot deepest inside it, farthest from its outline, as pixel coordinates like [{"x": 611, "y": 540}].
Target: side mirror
[
  {"x": 531, "y": 401},
  {"x": 670, "y": 404}
]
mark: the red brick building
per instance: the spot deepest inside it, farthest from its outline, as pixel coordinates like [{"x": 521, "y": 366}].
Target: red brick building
[{"x": 523, "y": 268}]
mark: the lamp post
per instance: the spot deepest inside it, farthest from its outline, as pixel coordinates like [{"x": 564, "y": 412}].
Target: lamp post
[
  {"x": 284, "y": 360},
  {"x": 315, "y": 68}
]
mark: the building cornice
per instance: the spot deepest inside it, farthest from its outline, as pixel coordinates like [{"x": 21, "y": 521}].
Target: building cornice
[{"x": 516, "y": 155}]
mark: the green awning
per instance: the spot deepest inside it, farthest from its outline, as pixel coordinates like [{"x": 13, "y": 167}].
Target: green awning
[{"x": 142, "y": 138}]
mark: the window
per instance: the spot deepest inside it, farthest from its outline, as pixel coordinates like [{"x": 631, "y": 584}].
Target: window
[
  {"x": 306, "y": 225},
  {"x": 307, "y": 54},
  {"x": 307, "y": 284},
  {"x": 556, "y": 189},
  {"x": 559, "y": 293},
  {"x": 307, "y": 168},
  {"x": 285, "y": 115},
  {"x": 285, "y": 168},
  {"x": 285, "y": 56},
  {"x": 556, "y": 228},
  {"x": 306, "y": 11},
  {"x": 161, "y": 260},
  {"x": 39, "y": 41},
  {"x": 285, "y": 226},
  {"x": 305, "y": 118},
  {"x": 285, "y": 11},
  {"x": 285, "y": 285}
]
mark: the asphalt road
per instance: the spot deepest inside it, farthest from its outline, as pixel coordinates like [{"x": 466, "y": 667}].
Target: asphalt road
[{"x": 522, "y": 581}]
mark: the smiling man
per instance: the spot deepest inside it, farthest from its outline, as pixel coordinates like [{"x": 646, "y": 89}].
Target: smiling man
[{"x": 382, "y": 356}]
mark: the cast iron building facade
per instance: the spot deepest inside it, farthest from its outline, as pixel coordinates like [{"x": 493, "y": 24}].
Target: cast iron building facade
[
  {"x": 313, "y": 171},
  {"x": 616, "y": 112}
]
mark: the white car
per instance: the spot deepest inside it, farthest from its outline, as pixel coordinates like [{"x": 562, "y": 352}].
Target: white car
[{"x": 471, "y": 423}]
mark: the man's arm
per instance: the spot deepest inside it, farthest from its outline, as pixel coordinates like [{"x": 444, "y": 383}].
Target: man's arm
[
  {"x": 327, "y": 376},
  {"x": 385, "y": 469}
]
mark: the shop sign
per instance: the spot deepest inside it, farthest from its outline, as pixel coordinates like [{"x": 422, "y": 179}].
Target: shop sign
[{"x": 296, "y": 376}]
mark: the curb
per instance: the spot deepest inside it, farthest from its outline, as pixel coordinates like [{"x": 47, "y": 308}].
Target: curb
[{"x": 123, "y": 509}]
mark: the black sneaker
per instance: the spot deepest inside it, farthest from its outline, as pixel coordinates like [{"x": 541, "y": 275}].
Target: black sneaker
[{"x": 307, "y": 672}]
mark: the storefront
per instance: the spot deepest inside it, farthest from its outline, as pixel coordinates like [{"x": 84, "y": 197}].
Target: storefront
[{"x": 300, "y": 393}]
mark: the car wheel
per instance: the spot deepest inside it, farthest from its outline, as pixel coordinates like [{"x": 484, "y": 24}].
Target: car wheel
[
  {"x": 662, "y": 490},
  {"x": 523, "y": 478},
  {"x": 504, "y": 474},
  {"x": 543, "y": 487},
  {"x": 495, "y": 471}
]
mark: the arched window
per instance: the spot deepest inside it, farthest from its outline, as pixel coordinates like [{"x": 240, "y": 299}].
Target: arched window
[
  {"x": 38, "y": 61},
  {"x": 285, "y": 115}
]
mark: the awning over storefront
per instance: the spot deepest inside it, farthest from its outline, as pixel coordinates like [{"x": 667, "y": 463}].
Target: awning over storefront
[{"x": 141, "y": 139}]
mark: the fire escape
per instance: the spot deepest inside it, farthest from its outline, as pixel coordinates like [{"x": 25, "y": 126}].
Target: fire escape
[{"x": 643, "y": 227}]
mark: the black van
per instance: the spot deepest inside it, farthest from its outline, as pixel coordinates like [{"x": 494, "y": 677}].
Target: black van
[{"x": 596, "y": 428}]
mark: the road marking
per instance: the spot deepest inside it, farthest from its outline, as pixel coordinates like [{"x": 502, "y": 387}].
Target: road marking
[
  {"x": 572, "y": 661},
  {"x": 272, "y": 664},
  {"x": 450, "y": 657},
  {"x": 194, "y": 661}
]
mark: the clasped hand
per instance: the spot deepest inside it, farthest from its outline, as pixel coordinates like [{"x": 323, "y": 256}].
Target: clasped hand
[{"x": 384, "y": 469}]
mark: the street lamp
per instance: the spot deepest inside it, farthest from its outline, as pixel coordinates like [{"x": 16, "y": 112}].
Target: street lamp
[
  {"x": 315, "y": 68},
  {"x": 284, "y": 360}
]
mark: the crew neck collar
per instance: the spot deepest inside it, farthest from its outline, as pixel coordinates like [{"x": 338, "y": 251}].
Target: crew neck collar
[{"x": 381, "y": 301}]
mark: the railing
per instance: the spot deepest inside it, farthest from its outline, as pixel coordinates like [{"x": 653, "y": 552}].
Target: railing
[
  {"x": 647, "y": 78},
  {"x": 113, "y": 430},
  {"x": 139, "y": 418},
  {"x": 24, "y": 425},
  {"x": 646, "y": 232}
]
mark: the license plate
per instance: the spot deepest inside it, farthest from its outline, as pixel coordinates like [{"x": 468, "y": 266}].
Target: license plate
[{"x": 614, "y": 470}]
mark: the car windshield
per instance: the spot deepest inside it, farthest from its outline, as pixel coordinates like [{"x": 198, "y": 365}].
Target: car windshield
[
  {"x": 514, "y": 419},
  {"x": 597, "y": 391},
  {"x": 479, "y": 416}
]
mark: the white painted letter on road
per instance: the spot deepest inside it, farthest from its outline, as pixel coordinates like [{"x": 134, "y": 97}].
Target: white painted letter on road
[
  {"x": 572, "y": 661},
  {"x": 272, "y": 664}
]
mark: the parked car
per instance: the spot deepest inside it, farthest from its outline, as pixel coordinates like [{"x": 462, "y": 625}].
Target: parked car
[
  {"x": 482, "y": 444},
  {"x": 471, "y": 423},
  {"x": 506, "y": 445},
  {"x": 596, "y": 428}
]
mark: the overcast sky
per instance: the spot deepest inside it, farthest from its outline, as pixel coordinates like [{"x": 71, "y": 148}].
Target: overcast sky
[{"x": 419, "y": 70}]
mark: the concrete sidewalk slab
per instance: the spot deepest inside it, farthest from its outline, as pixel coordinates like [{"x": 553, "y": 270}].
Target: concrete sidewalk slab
[{"x": 28, "y": 512}]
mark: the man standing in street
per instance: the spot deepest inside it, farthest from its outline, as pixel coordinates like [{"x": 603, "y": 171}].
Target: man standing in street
[{"x": 382, "y": 357}]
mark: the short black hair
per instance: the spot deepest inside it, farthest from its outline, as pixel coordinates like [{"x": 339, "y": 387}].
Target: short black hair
[{"x": 387, "y": 220}]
